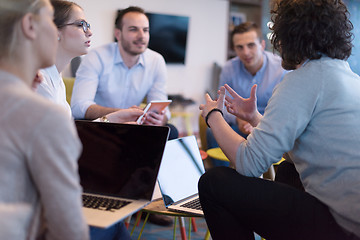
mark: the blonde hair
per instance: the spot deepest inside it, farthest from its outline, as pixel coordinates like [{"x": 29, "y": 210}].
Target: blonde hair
[{"x": 11, "y": 12}]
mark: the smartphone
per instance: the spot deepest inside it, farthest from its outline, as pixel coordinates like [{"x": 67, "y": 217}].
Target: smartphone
[{"x": 154, "y": 106}]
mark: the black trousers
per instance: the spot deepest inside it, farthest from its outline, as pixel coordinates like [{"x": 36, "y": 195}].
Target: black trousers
[
  {"x": 173, "y": 131},
  {"x": 286, "y": 173},
  {"x": 235, "y": 206}
]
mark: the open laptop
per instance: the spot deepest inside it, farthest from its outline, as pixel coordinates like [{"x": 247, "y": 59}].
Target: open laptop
[
  {"x": 118, "y": 168},
  {"x": 179, "y": 174}
]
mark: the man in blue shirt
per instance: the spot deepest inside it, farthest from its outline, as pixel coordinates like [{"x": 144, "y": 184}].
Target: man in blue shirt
[
  {"x": 252, "y": 65},
  {"x": 120, "y": 75}
]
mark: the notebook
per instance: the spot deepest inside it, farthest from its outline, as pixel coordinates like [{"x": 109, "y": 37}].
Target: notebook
[
  {"x": 118, "y": 168},
  {"x": 179, "y": 173}
]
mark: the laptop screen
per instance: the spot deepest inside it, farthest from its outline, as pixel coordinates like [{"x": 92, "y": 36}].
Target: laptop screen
[
  {"x": 180, "y": 169},
  {"x": 120, "y": 159}
]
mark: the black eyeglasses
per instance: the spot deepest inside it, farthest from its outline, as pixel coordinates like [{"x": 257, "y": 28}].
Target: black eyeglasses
[{"x": 85, "y": 25}]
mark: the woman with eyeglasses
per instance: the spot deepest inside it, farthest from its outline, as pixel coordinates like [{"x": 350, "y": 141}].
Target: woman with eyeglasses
[
  {"x": 73, "y": 40},
  {"x": 73, "y": 36},
  {"x": 40, "y": 194}
]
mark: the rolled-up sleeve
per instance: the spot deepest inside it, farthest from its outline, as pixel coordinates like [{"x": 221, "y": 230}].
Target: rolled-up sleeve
[
  {"x": 279, "y": 128},
  {"x": 86, "y": 84}
]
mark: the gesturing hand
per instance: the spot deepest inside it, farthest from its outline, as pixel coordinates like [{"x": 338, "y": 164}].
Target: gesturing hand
[
  {"x": 243, "y": 108},
  {"x": 211, "y": 104}
]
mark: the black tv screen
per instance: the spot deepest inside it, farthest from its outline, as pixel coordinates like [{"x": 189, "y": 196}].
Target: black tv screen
[{"x": 168, "y": 36}]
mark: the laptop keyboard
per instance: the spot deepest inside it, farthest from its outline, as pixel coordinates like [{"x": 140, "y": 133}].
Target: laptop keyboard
[
  {"x": 106, "y": 204},
  {"x": 194, "y": 204}
]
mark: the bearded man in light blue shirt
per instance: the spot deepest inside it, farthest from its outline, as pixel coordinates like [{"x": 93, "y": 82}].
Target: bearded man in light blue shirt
[
  {"x": 120, "y": 75},
  {"x": 252, "y": 65}
]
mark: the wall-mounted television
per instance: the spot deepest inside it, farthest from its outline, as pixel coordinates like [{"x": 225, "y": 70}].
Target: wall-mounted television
[{"x": 168, "y": 36}]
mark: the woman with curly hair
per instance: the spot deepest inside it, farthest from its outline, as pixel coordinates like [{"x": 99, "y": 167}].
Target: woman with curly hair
[{"x": 313, "y": 115}]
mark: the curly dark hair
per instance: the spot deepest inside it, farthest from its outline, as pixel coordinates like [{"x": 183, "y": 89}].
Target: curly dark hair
[{"x": 306, "y": 29}]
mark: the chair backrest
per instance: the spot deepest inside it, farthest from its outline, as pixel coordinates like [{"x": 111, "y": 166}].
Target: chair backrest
[
  {"x": 202, "y": 133},
  {"x": 69, "y": 84}
]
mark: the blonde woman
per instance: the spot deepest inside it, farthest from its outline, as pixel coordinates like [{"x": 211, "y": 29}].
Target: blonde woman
[
  {"x": 73, "y": 36},
  {"x": 40, "y": 195}
]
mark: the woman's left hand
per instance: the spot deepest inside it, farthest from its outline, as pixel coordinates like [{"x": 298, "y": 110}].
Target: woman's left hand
[{"x": 211, "y": 104}]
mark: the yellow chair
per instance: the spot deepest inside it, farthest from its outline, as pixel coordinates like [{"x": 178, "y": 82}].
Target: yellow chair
[
  {"x": 202, "y": 133},
  {"x": 186, "y": 116},
  {"x": 69, "y": 84},
  {"x": 217, "y": 153}
]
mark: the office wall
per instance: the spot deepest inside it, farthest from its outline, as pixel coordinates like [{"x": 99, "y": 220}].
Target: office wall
[
  {"x": 354, "y": 9},
  {"x": 207, "y": 37}
]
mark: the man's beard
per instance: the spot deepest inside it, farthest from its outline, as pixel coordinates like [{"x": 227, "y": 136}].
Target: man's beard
[{"x": 127, "y": 48}]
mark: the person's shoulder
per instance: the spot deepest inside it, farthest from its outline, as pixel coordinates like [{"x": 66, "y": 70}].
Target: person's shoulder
[
  {"x": 35, "y": 108},
  {"x": 151, "y": 53},
  {"x": 104, "y": 50},
  {"x": 46, "y": 107},
  {"x": 273, "y": 57},
  {"x": 48, "y": 73},
  {"x": 232, "y": 63},
  {"x": 274, "y": 61},
  {"x": 331, "y": 67},
  {"x": 24, "y": 102},
  {"x": 150, "y": 56}
]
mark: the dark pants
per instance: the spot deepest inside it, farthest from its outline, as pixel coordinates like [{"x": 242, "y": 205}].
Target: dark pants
[
  {"x": 117, "y": 231},
  {"x": 173, "y": 131},
  {"x": 286, "y": 173},
  {"x": 235, "y": 206}
]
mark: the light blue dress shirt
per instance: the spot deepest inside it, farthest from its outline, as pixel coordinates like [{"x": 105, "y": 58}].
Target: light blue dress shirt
[
  {"x": 105, "y": 80},
  {"x": 241, "y": 80}
]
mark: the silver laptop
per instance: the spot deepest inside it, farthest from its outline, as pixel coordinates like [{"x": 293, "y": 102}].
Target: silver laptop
[
  {"x": 118, "y": 168},
  {"x": 179, "y": 174}
]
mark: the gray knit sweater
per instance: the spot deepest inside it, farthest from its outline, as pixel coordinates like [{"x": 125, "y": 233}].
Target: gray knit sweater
[
  {"x": 39, "y": 184},
  {"x": 314, "y": 114}
]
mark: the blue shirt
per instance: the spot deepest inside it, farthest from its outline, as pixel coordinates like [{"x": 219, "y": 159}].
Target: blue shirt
[
  {"x": 241, "y": 80},
  {"x": 105, "y": 80}
]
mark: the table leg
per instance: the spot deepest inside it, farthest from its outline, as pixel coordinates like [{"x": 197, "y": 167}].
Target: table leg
[
  {"x": 189, "y": 234},
  {"x": 143, "y": 226},
  {"x": 174, "y": 234},
  {"x": 127, "y": 221},
  {"x": 193, "y": 223},
  {"x": 182, "y": 228},
  {"x": 137, "y": 221}
]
